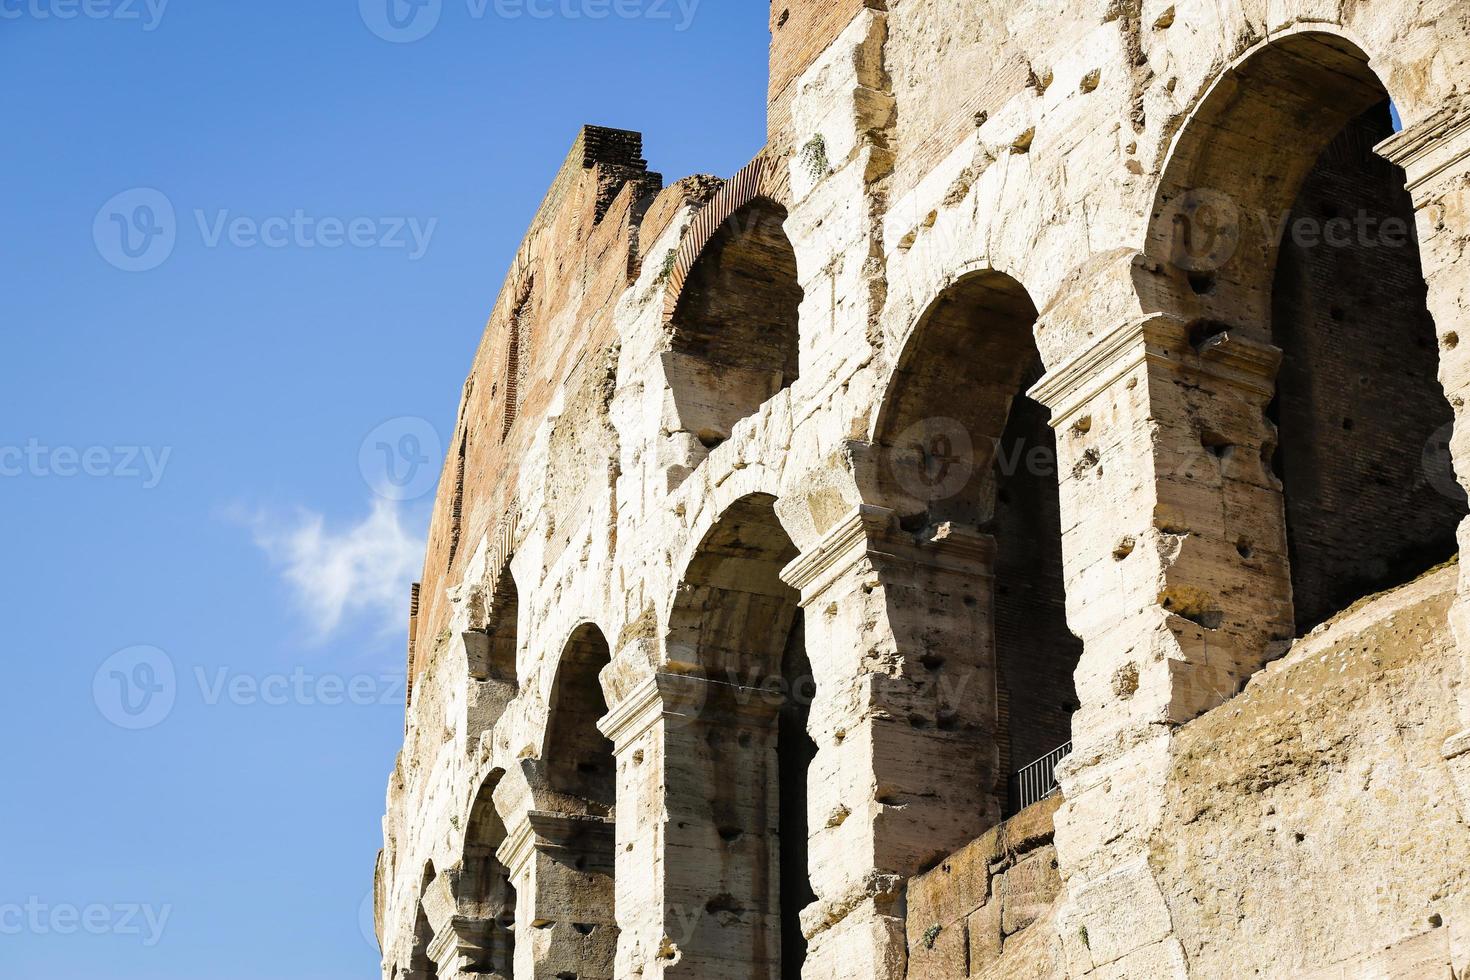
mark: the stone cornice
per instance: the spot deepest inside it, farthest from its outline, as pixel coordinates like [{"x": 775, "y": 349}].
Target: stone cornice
[
  {"x": 1076, "y": 381},
  {"x": 682, "y": 698},
  {"x": 844, "y": 543},
  {"x": 872, "y": 532},
  {"x": 516, "y": 850},
  {"x": 1427, "y": 149},
  {"x": 1159, "y": 339}
]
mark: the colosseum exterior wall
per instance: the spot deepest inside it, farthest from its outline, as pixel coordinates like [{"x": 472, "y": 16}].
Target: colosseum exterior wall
[{"x": 1016, "y": 397}]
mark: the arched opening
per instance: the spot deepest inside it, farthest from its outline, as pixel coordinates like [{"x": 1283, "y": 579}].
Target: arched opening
[
  {"x": 735, "y": 336},
  {"x": 488, "y": 897},
  {"x": 579, "y": 758},
  {"x": 421, "y": 965},
  {"x": 491, "y": 645},
  {"x": 572, "y": 874},
  {"x": 739, "y": 811},
  {"x": 1284, "y": 227},
  {"x": 963, "y": 444},
  {"x": 1357, "y": 398}
]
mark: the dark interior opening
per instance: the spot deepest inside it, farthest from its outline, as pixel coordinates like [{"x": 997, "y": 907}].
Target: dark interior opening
[
  {"x": 580, "y": 761},
  {"x": 1371, "y": 501},
  {"x": 1036, "y": 653},
  {"x": 795, "y": 752},
  {"x": 736, "y": 339}
]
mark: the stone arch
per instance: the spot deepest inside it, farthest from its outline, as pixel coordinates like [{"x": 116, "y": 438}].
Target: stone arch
[
  {"x": 961, "y": 443},
  {"x": 486, "y": 897},
  {"x": 421, "y": 965},
  {"x": 1243, "y": 152},
  {"x": 565, "y": 875},
  {"x": 1277, "y": 228},
  {"x": 734, "y": 572},
  {"x": 578, "y": 758},
  {"x": 731, "y": 310},
  {"x": 492, "y": 642},
  {"x": 739, "y": 813}
]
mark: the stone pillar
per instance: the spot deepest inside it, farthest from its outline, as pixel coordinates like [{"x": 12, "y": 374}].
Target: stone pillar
[
  {"x": 899, "y": 636},
  {"x": 564, "y": 895},
  {"x": 697, "y": 846},
  {"x": 471, "y": 940},
  {"x": 1177, "y": 582},
  {"x": 1435, "y": 154}
]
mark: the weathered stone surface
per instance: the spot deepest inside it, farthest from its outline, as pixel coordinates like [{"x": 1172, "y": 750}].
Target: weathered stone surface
[{"x": 1000, "y": 403}]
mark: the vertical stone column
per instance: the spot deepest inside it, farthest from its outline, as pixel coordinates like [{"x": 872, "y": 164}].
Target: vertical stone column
[
  {"x": 899, "y": 636},
  {"x": 564, "y": 896},
  {"x": 1177, "y": 582},
  {"x": 697, "y": 846},
  {"x": 1435, "y": 154}
]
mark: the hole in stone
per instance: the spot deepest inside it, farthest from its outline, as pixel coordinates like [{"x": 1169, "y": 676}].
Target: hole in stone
[
  {"x": 1089, "y": 459},
  {"x": 1435, "y": 921},
  {"x": 1203, "y": 283},
  {"x": 584, "y": 928},
  {"x": 1347, "y": 425},
  {"x": 1450, "y": 340},
  {"x": 1243, "y": 547},
  {"x": 710, "y": 440},
  {"x": 1203, "y": 332},
  {"x": 781, "y": 21},
  {"x": 722, "y": 903},
  {"x": 1337, "y": 314},
  {"x": 1215, "y": 444},
  {"x": 730, "y": 834},
  {"x": 1124, "y": 548},
  {"x": 931, "y": 660},
  {"x": 913, "y": 523},
  {"x": 918, "y": 721}
]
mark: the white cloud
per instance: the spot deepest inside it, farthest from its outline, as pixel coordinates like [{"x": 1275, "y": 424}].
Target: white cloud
[{"x": 359, "y": 573}]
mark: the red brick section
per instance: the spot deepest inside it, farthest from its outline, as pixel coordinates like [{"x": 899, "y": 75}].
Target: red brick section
[
  {"x": 756, "y": 179},
  {"x": 800, "y": 31},
  {"x": 577, "y": 258}
]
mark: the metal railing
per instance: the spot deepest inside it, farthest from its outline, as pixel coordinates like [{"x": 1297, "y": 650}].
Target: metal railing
[{"x": 1035, "y": 782}]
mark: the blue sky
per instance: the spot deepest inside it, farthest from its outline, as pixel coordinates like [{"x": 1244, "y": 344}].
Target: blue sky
[{"x": 206, "y": 568}]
